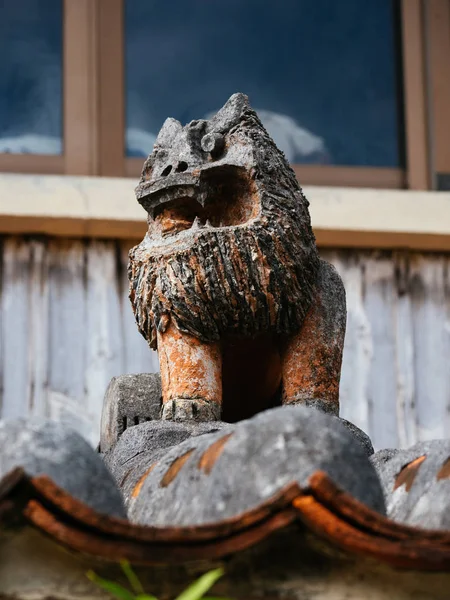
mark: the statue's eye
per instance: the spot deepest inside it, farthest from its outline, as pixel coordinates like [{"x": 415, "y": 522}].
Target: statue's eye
[{"x": 214, "y": 143}]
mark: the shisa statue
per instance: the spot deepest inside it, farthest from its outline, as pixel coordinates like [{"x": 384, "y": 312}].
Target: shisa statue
[
  {"x": 229, "y": 287},
  {"x": 227, "y": 283}
]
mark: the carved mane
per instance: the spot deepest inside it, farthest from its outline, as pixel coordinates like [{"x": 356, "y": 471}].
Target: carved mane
[{"x": 240, "y": 258}]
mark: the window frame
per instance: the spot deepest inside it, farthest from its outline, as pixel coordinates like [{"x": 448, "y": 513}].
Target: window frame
[
  {"x": 93, "y": 74},
  {"x": 92, "y": 70},
  {"x": 94, "y": 102},
  {"x": 437, "y": 21}
]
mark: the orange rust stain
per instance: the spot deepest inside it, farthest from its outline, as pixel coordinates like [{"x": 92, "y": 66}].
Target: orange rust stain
[
  {"x": 189, "y": 368},
  {"x": 176, "y": 215},
  {"x": 408, "y": 473},
  {"x": 211, "y": 454},
  {"x": 444, "y": 472},
  {"x": 137, "y": 488},
  {"x": 311, "y": 366},
  {"x": 175, "y": 468}
]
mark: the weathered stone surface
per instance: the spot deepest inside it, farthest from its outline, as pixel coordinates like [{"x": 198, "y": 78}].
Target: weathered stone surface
[
  {"x": 218, "y": 475},
  {"x": 140, "y": 446},
  {"x": 195, "y": 409},
  {"x": 230, "y": 258},
  {"x": 416, "y": 483},
  {"x": 129, "y": 400},
  {"x": 312, "y": 359},
  {"x": 360, "y": 435},
  {"x": 43, "y": 447},
  {"x": 205, "y": 215},
  {"x": 381, "y": 457}
]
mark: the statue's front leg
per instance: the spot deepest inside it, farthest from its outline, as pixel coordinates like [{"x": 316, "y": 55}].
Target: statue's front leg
[
  {"x": 191, "y": 377},
  {"x": 312, "y": 359}
]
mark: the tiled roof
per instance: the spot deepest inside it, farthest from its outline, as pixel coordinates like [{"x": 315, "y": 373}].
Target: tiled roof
[
  {"x": 207, "y": 491},
  {"x": 333, "y": 515}
]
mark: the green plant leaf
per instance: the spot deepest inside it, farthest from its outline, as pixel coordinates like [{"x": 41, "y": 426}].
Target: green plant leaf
[
  {"x": 216, "y": 598},
  {"x": 145, "y": 597},
  {"x": 132, "y": 578},
  {"x": 109, "y": 586},
  {"x": 197, "y": 589}
]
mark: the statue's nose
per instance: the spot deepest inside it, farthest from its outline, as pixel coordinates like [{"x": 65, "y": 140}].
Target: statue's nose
[{"x": 179, "y": 167}]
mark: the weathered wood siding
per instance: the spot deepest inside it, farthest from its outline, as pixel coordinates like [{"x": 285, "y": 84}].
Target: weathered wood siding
[{"x": 66, "y": 328}]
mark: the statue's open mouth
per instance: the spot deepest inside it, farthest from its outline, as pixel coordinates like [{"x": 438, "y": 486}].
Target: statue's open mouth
[
  {"x": 178, "y": 215},
  {"x": 213, "y": 197}
]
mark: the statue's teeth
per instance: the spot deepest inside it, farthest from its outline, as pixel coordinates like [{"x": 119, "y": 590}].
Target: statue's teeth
[
  {"x": 208, "y": 223},
  {"x": 196, "y": 223}
]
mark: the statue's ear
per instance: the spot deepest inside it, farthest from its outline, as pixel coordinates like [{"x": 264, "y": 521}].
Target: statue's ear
[
  {"x": 230, "y": 113},
  {"x": 169, "y": 131}
]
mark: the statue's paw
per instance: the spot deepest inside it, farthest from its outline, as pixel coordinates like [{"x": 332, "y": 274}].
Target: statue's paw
[{"x": 190, "y": 409}]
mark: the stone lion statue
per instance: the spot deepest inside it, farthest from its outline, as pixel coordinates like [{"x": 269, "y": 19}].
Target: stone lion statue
[{"x": 227, "y": 283}]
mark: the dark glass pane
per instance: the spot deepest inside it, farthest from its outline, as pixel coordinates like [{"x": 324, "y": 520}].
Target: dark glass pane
[
  {"x": 321, "y": 73},
  {"x": 31, "y": 76}
]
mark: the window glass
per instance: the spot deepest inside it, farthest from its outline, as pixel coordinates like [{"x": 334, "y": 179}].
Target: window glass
[
  {"x": 321, "y": 73},
  {"x": 31, "y": 76}
]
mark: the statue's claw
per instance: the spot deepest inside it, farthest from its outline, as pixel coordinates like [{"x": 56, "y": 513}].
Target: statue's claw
[{"x": 190, "y": 409}]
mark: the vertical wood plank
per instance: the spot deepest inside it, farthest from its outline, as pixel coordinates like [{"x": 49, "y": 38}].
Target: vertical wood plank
[
  {"x": 379, "y": 302},
  {"x": 67, "y": 334},
  {"x": 139, "y": 358},
  {"x": 104, "y": 347},
  {"x": 66, "y": 328},
  {"x": 358, "y": 350},
  {"x": 431, "y": 316},
  {"x": 15, "y": 327},
  {"x": 38, "y": 346},
  {"x": 404, "y": 347}
]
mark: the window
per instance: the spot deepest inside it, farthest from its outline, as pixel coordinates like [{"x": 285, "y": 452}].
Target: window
[
  {"x": 355, "y": 94},
  {"x": 322, "y": 75},
  {"x": 31, "y": 77}
]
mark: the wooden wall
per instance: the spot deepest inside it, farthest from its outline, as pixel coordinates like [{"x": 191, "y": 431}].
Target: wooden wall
[{"x": 66, "y": 328}]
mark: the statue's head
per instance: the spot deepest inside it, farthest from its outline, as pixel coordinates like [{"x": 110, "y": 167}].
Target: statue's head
[
  {"x": 228, "y": 225},
  {"x": 209, "y": 173}
]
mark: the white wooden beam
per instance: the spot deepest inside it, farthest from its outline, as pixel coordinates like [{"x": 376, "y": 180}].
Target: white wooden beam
[{"x": 106, "y": 208}]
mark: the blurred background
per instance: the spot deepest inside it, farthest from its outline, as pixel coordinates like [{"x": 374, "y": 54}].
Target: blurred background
[{"x": 356, "y": 95}]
